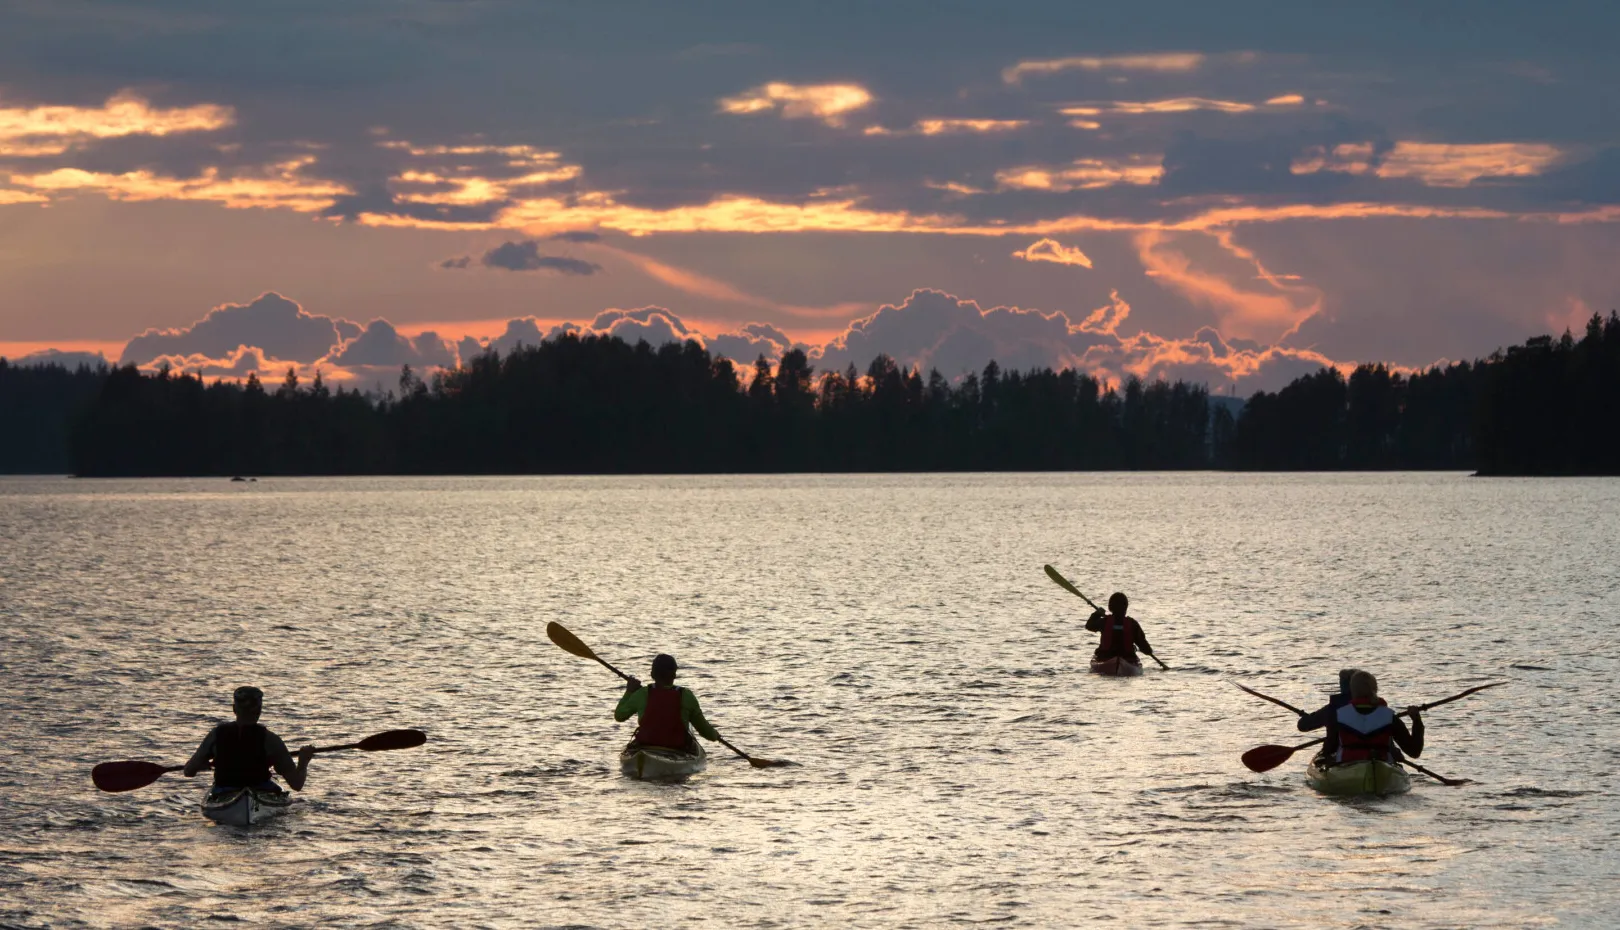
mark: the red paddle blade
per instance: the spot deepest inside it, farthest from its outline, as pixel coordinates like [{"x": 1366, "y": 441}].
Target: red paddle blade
[
  {"x": 126, "y": 776},
  {"x": 393, "y": 739},
  {"x": 1266, "y": 758}
]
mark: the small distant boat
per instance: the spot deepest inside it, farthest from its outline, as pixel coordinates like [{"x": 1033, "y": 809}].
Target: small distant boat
[
  {"x": 658, "y": 763},
  {"x": 1119, "y": 666},
  {"x": 1357, "y": 778},
  {"x": 244, "y": 807}
]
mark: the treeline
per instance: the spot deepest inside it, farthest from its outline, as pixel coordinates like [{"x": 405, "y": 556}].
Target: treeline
[
  {"x": 599, "y": 405},
  {"x": 38, "y": 406}
]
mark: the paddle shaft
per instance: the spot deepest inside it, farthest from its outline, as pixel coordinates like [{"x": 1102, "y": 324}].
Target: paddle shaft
[
  {"x": 1267, "y": 697},
  {"x": 1068, "y": 586},
  {"x": 727, "y": 743},
  {"x": 1448, "y": 782}
]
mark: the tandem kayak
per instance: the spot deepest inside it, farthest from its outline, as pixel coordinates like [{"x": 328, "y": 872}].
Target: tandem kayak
[
  {"x": 656, "y": 763},
  {"x": 1117, "y": 666},
  {"x": 1354, "y": 778},
  {"x": 242, "y": 807}
]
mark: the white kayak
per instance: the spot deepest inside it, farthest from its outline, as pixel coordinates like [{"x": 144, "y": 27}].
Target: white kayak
[
  {"x": 659, "y": 763},
  {"x": 243, "y": 807},
  {"x": 1356, "y": 778}
]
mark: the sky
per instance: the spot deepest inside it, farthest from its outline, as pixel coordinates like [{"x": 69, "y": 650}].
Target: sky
[{"x": 1233, "y": 194}]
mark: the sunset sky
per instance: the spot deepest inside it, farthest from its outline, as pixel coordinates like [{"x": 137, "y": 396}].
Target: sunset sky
[{"x": 1233, "y": 193}]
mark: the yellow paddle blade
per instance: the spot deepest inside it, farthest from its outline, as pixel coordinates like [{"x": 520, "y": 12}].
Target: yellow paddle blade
[
  {"x": 1052, "y": 573},
  {"x": 568, "y": 641}
]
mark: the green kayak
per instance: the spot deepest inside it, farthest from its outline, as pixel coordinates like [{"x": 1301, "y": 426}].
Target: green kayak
[
  {"x": 659, "y": 763},
  {"x": 1356, "y": 778}
]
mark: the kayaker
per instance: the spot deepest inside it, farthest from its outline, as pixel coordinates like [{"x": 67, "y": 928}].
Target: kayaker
[
  {"x": 243, "y": 752},
  {"x": 666, "y": 711},
  {"x": 1365, "y": 727},
  {"x": 1121, "y": 635},
  {"x": 1318, "y": 719}
]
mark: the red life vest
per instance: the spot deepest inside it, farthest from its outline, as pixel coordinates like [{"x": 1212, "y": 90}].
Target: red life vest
[
  {"x": 661, "y": 723},
  {"x": 1116, "y": 637},
  {"x": 239, "y": 756},
  {"x": 1365, "y": 734}
]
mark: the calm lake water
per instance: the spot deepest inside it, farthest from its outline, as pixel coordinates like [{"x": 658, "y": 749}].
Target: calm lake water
[{"x": 893, "y": 635}]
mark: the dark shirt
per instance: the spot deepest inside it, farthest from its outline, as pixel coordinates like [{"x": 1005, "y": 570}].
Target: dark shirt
[
  {"x": 1318, "y": 719},
  {"x": 1138, "y": 640}
]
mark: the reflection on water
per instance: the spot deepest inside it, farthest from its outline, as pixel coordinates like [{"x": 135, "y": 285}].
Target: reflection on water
[{"x": 893, "y": 635}]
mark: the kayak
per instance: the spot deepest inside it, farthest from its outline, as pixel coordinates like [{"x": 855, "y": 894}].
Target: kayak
[
  {"x": 656, "y": 763},
  {"x": 1117, "y": 666},
  {"x": 1353, "y": 778},
  {"x": 242, "y": 807}
]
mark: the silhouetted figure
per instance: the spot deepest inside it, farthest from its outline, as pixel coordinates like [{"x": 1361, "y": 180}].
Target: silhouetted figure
[
  {"x": 244, "y": 751},
  {"x": 1365, "y": 728},
  {"x": 667, "y": 712},
  {"x": 1121, "y": 635},
  {"x": 1323, "y": 717}
]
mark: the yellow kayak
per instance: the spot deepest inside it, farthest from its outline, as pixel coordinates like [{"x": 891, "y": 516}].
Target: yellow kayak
[{"x": 1355, "y": 778}]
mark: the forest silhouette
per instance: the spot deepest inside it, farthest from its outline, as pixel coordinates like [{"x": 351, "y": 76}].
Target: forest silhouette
[{"x": 597, "y": 405}]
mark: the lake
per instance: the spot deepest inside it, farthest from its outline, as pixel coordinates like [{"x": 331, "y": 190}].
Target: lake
[{"x": 893, "y": 635}]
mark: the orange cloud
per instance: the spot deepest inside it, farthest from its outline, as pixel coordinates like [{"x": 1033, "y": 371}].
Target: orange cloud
[
  {"x": 1049, "y": 250},
  {"x": 1085, "y": 173},
  {"x": 281, "y": 185},
  {"x": 1174, "y": 105},
  {"x": 1155, "y": 61},
  {"x": 940, "y": 127},
  {"x": 1268, "y": 315},
  {"x": 1433, "y": 164},
  {"x": 1106, "y": 319},
  {"x": 53, "y": 130},
  {"x": 825, "y": 102}
]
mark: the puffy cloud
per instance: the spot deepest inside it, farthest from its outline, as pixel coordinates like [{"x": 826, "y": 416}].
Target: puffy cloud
[
  {"x": 826, "y": 102},
  {"x": 933, "y": 329},
  {"x": 67, "y": 359},
  {"x": 654, "y": 324},
  {"x": 750, "y": 342},
  {"x": 54, "y": 130},
  {"x": 233, "y": 365},
  {"x": 280, "y": 327},
  {"x": 381, "y": 345},
  {"x": 1050, "y": 250}
]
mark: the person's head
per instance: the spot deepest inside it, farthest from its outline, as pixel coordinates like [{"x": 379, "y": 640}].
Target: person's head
[
  {"x": 1118, "y": 603},
  {"x": 248, "y": 703},
  {"x": 1345, "y": 674},
  {"x": 1363, "y": 686},
  {"x": 663, "y": 669}
]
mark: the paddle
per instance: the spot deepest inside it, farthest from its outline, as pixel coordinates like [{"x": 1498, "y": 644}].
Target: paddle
[
  {"x": 1448, "y": 782},
  {"x": 573, "y": 644},
  {"x": 1267, "y": 697},
  {"x": 1063, "y": 582},
  {"x": 114, "y": 777},
  {"x": 1266, "y": 758}
]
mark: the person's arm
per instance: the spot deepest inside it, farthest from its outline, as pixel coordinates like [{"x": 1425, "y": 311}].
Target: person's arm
[
  {"x": 694, "y": 716},
  {"x": 1140, "y": 638},
  {"x": 199, "y": 759},
  {"x": 1094, "y": 622},
  {"x": 633, "y": 702},
  {"x": 1411, "y": 743},
  {"x": 293, "y": 773},
  {"x": 1316, "y": 719}
]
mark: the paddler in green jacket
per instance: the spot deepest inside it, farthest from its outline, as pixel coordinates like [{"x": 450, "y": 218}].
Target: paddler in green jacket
[
  {"x": 243, "y": 752},
  {"x": 665, "y": 711}
]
